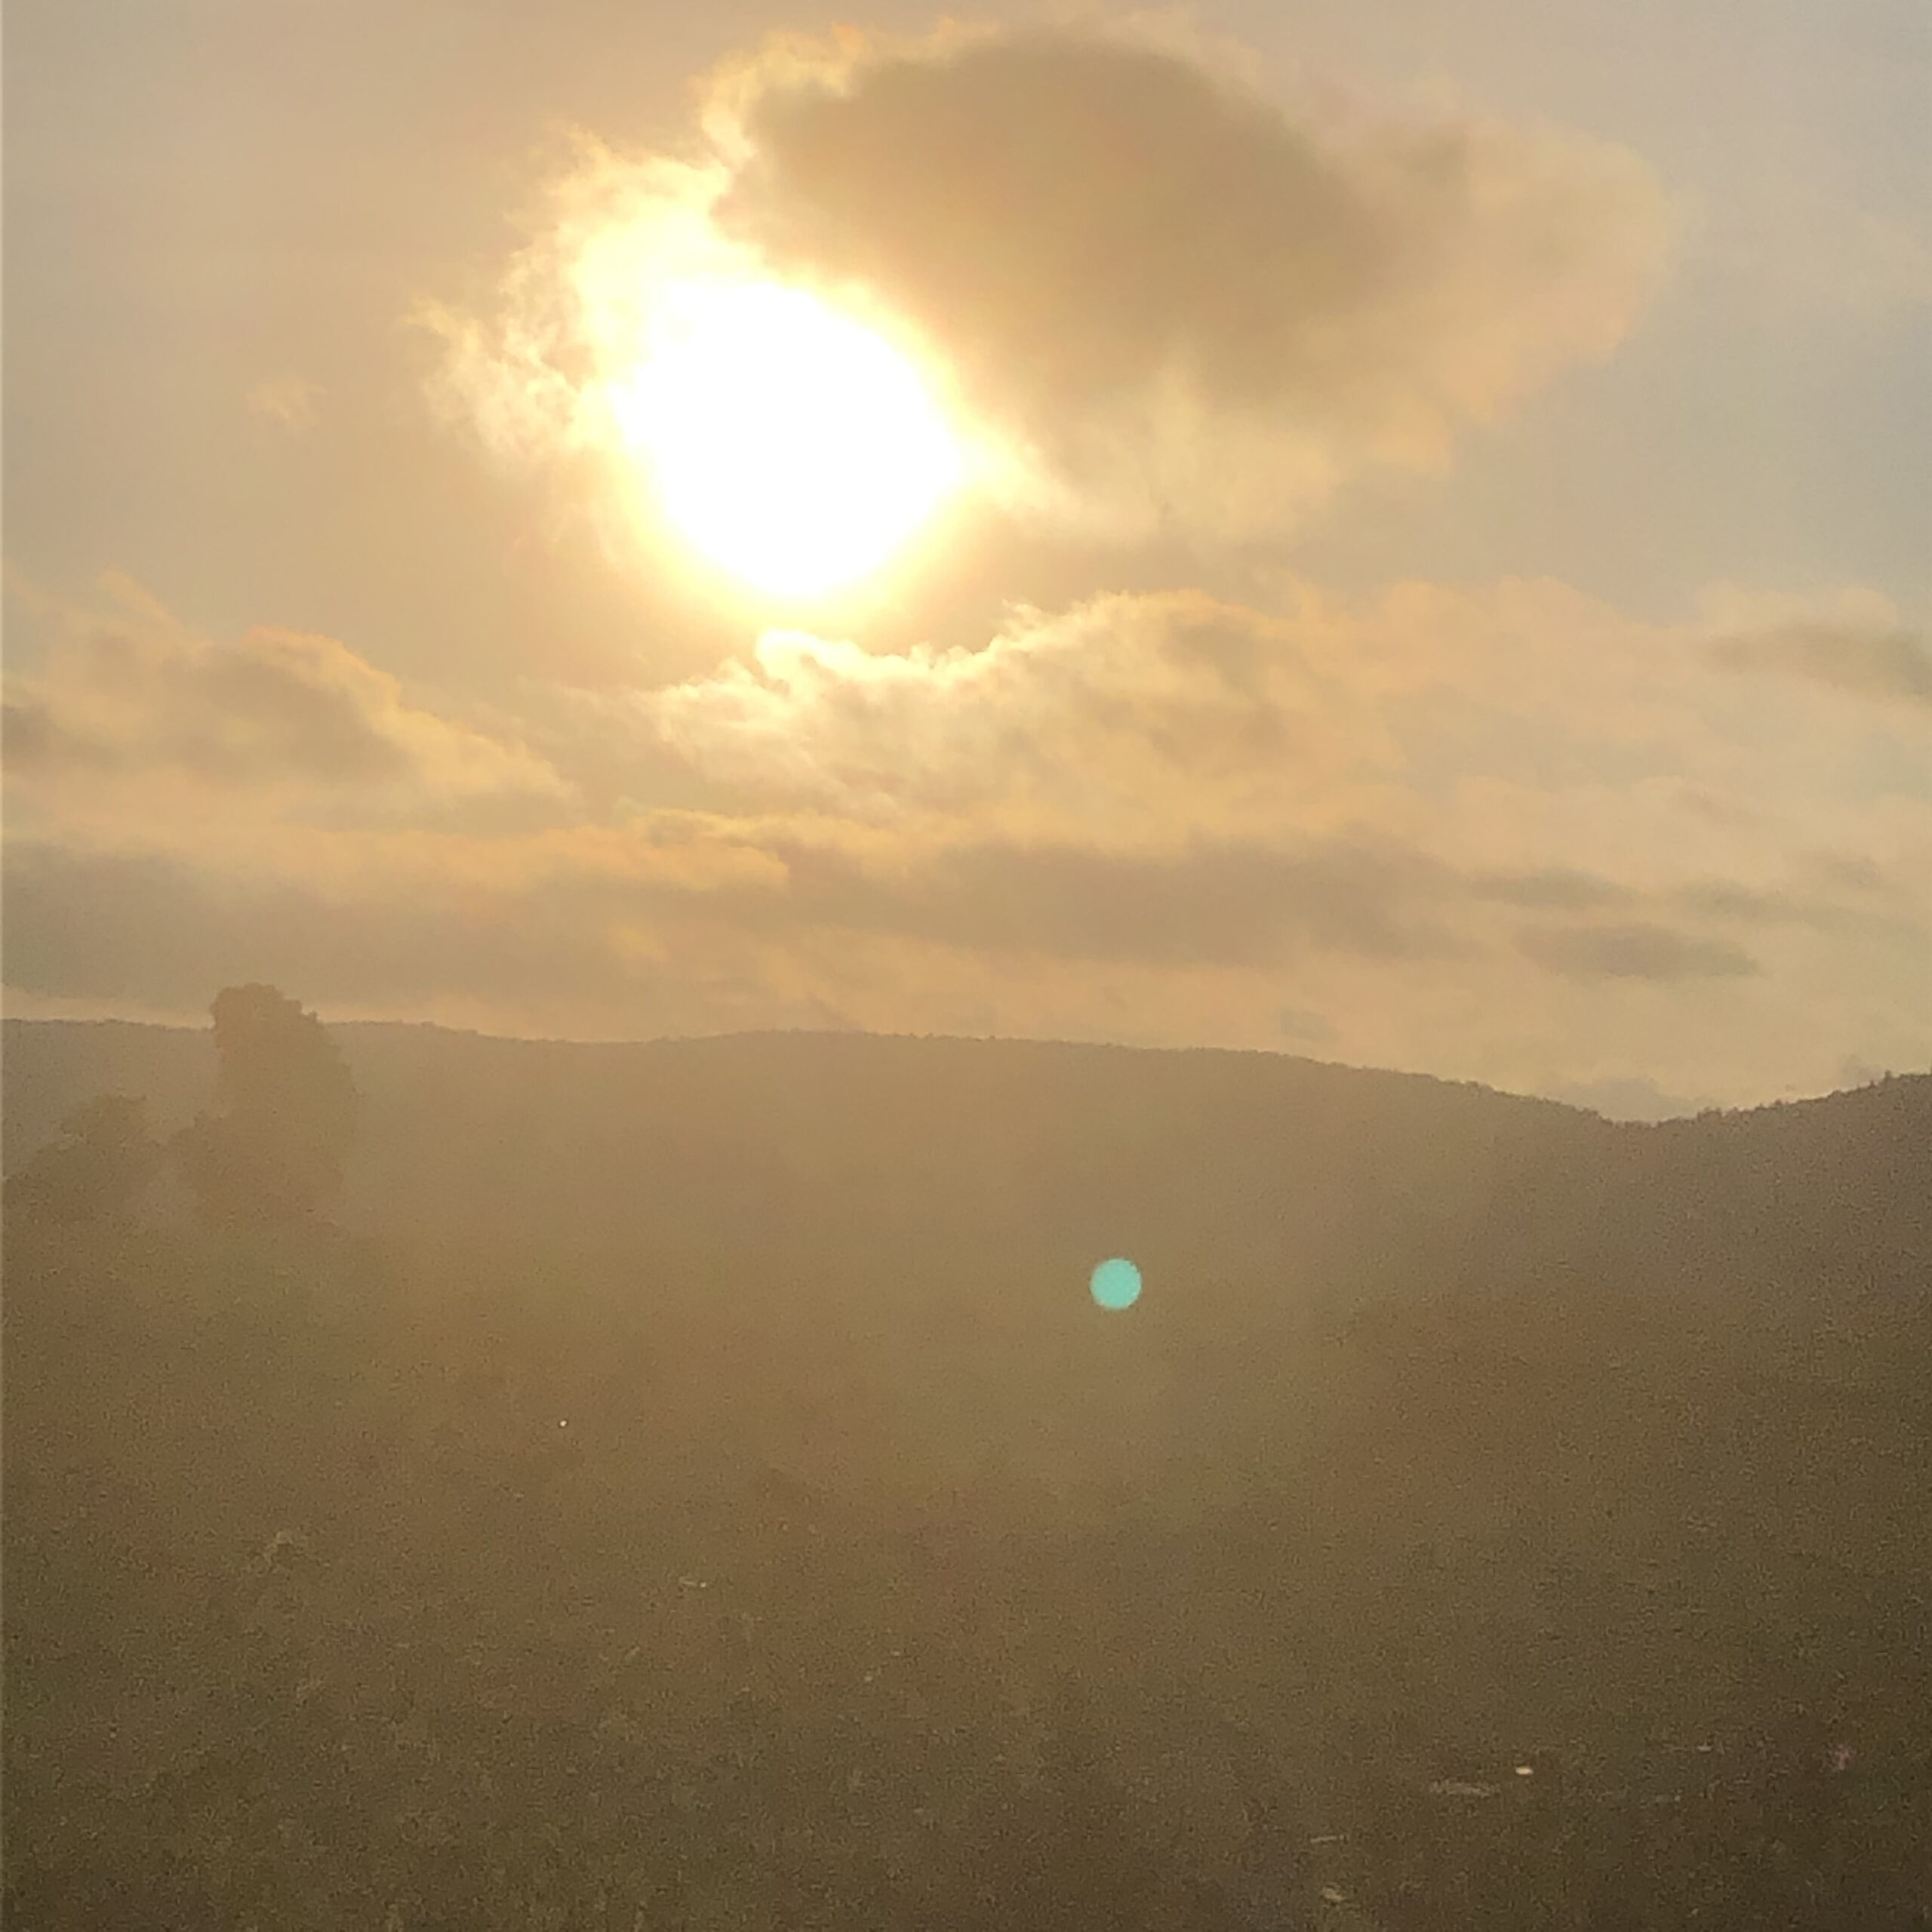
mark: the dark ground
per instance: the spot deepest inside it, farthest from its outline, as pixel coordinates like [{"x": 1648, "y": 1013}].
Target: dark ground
[{"x": 694, "y": 1490}]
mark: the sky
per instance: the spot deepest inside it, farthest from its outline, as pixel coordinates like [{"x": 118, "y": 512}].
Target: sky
[{"x": 1395, "y": 532}]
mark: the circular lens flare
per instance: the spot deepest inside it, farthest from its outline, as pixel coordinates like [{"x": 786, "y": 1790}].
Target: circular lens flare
[
  {"x": 792, "y": 446},
  {"x": 1116, "y": 1283}
]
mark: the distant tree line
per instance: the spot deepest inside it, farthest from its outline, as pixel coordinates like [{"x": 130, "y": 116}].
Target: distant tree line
[{"x": 270, "y": 1152}]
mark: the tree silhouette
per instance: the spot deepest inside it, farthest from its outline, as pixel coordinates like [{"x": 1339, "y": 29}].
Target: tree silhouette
[
  {"x": 286, "y": 1114},
  {"x": 97, "y": 1169}
]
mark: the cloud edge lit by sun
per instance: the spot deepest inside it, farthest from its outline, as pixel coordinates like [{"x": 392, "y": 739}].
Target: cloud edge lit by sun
[{"x": 1469, "y": 306}]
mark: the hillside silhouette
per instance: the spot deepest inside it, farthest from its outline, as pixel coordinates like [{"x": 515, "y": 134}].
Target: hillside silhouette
[
  {"x": 1201, "y": 1163},
  {"x": 689, "y": 1485}
]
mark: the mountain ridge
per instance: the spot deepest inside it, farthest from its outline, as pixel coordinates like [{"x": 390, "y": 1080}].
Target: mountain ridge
[{"x": 1198, "y": 1162}]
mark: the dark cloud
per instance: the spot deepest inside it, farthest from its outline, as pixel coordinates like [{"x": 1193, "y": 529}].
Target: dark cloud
[
  {"x": 258, "y": 709},
  {"x": 1720, "y": 898},
  {"x": 1071, "y": 217},
  {"x": 1846, "y": 872},
  {"x": 29, "y": 739},
  {"x": 166, "y": 932},
  {"x": 1104, "y": 236},
  {"x": 1862, "y": 902},
  {"x": 1637, "y": 950},
  {"x": 1226, "y": 903},
  {"x": 272, "y": 708},
  {"x": 1553, "y": 889},
  {"x": 1887, "y": 663},
  {"x": 163, "y": 930}
]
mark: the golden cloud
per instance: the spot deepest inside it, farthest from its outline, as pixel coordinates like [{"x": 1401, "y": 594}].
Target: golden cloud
[
  {"x": 1456, "y": 829},
  {"x": 1163, "y": 299},
  {"x": 139, "y": 700},
  {"x": 1140, "y": 265},
  {"x": 1138, "y": 718},
  {"x": 1428, "y": 774}
]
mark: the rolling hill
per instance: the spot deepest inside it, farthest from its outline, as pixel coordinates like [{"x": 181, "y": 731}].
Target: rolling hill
[{"x": 693, "y": 1487}]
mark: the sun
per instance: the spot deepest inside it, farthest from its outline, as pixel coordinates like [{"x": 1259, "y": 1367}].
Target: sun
[{"x": 792, "y": 446}]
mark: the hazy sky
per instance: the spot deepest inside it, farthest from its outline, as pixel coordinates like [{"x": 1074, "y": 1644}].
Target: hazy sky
[{"x": 1428, "y": 562}]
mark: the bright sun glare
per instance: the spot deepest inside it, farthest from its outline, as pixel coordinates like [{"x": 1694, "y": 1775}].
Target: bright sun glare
[{"x": 792, "y": 446}]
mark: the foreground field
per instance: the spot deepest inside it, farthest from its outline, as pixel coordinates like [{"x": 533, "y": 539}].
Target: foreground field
[{"x": 849, "y": 1568}]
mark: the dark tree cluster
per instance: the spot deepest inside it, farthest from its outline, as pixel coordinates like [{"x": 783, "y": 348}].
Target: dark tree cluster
[
  {"x": 98, "y": 1168},
  {"x": 273, "y": 1150},
  {"x": 270, "y": 1152}
]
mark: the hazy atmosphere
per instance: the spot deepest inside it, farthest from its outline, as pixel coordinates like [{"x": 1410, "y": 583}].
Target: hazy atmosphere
[
  {"x": 967, "y": 974},
  {"x": 1390, "y": 533}
]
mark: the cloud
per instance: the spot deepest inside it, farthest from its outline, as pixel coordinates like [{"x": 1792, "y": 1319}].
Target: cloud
[
  {"x": 166, "y": 930},
  {"x": 1554, "y": 889},
  {"x": 1885, "y": 662},
  {"x": 1176, "y": 777},
  {"x": 1134, "y": 716},
  {"x": 615, "y": 922},
  {"x": 1162, "y": 299},
  {"x": 1504, "y": 833},
  {"x": 290, "y": 403},
  {"x": 1637, "y": 951},
  {"x": 1219, "y": 903},
  {"x": 1088, "y": 224},
  {"x": 138, "y": 698}
]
